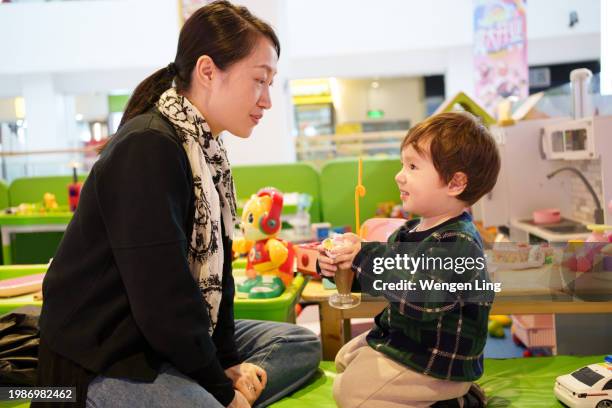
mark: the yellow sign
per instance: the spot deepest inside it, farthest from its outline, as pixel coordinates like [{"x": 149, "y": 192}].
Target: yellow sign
[{"x": 310, "y": 91}]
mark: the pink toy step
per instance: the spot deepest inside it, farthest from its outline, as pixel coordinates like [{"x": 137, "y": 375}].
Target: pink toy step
[
  {"x": 535, "y": 330},
  {"x": 22, "y": 285}
]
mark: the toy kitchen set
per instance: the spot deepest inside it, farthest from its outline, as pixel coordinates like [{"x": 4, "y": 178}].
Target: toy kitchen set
[
  {"x": 555, "y": 186},
  {"x": 555, "y": 179}
]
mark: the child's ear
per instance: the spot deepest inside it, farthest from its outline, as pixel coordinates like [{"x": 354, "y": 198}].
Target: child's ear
[{"x": 457, "y": 184}]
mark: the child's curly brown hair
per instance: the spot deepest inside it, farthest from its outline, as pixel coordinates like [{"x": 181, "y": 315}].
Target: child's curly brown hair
[{"x": 458, "y": 142}]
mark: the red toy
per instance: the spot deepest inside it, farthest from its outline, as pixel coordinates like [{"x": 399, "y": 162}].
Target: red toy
[
  {"x": 269, "y": 259},
  {"x": 74, "y": 190}
]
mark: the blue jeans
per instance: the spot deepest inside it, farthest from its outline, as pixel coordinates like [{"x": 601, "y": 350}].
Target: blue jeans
[{"x": 290, "y": 355}]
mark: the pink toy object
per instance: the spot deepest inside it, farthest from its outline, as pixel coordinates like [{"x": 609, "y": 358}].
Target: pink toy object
[
  {"x": 583, "y": 256},
  {"x": 607, "y": 258},
  {"x": 379, "y": 229},
  {"x": 306, "y": 257},
  {"x": 22, "y": 285},
  {"x": 534, "y": 331},
  {"x": 547, "y": 216},
  {"x": 598, "y": 233}
]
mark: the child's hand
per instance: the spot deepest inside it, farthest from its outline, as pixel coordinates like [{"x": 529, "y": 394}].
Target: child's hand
[
  {"x": 326, "y": 264},
  {"x": 344, "y": 255}
]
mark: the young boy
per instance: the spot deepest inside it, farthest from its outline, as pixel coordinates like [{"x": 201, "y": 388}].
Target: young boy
[{"x": 423, "y": 349}]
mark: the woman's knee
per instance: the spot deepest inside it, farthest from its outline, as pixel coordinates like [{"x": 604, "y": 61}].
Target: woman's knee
[
  {"x": 305, "y": 342},
  {"x": 299, "y": 344},
  {"x": 312, "y": 342},
  {"x": 292, "y": 333},
  {"x": 169, "y": 389}
]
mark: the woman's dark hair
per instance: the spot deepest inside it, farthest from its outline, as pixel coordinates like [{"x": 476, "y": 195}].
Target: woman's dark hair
[{"x": 225, "y": 32}]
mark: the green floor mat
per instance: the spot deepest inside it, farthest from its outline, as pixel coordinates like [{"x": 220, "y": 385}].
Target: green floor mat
[
  {"x": 521, "y": 383},
  {"x": 528, "y": 382},
  {"x": 14, "y": 404},
  {"x": 318, "y": 392}
]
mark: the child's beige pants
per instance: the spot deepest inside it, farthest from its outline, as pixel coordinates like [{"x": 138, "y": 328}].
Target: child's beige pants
[{"x": 368, "y": 379}]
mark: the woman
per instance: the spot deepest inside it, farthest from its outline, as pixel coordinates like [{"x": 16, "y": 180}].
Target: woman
[{"x": 138, "y": 302}]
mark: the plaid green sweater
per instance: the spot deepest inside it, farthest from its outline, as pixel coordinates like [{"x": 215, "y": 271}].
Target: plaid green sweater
[{"x": 441, "y": 337}]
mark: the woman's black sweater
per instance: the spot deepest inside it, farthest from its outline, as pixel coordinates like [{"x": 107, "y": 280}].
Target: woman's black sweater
[{"x": 119, "y": 299}]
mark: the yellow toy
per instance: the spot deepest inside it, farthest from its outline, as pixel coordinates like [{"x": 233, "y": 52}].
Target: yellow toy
[
  {"x": 497, "y": 324},
  {"x": 504, "y": 320},
  {"x": 270, "y": 260},
  {"x": 50, "y": 202}
]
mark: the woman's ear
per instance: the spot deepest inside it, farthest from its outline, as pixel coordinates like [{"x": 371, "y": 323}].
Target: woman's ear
[
  {"x": 457, "y": 184},
  {"x": 204, "y": 71}
]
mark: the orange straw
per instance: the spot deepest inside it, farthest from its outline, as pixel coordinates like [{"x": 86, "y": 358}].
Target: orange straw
[{"x": 360, "y": 191}]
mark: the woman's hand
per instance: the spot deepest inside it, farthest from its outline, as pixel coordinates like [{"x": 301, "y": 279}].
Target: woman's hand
[
  {"x": 239, "y": 401},
  {"x": 344, "y": 255},
  {"x": 248, "y": 379}
]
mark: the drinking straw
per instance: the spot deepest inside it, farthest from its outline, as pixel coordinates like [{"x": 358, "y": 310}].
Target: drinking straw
[{"x": 360, "y": 191}]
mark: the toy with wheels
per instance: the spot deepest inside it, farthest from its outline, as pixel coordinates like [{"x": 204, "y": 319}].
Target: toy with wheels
[
  {"x": 587, "y": 387},
  {"x": 269, "y": 259}
]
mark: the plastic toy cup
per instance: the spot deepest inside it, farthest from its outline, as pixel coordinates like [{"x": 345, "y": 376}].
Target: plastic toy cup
[{"x": 343, "y": 299}]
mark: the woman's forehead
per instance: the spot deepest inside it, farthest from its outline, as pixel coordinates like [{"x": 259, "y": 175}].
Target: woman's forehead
[{"x": 263, "y": 56}]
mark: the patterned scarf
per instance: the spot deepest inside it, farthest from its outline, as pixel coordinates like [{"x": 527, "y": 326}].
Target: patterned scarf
[{"x": 215, "y": 196}]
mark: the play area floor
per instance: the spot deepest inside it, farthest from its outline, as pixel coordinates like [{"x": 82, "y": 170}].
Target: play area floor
[{"x": 521, "y": 383}]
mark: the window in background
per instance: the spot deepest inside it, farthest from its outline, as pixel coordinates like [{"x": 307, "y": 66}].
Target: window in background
[
  {"x": 434, "y": 93},
  {"x": 13, "y": 131},
  {"x": 356, "y": 116}
]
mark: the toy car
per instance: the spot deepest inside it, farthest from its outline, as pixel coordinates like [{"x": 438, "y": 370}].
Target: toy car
[{"x": 588, "y": 387}]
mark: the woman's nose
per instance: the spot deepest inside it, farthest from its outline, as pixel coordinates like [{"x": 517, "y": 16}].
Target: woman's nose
[{"x": 265, "y": 102}]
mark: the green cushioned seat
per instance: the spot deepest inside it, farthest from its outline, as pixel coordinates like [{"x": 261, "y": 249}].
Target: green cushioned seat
[
  {"x": 36, "y": 247},
  {"x": 338, "y": 181},
  {"x": 288, "y": 178},
  {"x": 32, "y": 189},
  {"x": 4, "y": 194}
]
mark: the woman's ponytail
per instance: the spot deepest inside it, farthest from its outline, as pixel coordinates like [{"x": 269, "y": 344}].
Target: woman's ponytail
[{"x": 148, "y": 92}]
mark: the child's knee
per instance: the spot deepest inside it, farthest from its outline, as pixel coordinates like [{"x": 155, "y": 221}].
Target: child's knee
[
  {"x": 342, "y": 393},
  {"x": 349, "y": 351}
]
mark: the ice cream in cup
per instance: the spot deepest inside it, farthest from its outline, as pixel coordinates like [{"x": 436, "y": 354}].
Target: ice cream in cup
[{"x": 343, "y": 277}]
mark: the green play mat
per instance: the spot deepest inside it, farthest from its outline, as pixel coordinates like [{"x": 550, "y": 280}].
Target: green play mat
[{"x": 522, "y": 382}]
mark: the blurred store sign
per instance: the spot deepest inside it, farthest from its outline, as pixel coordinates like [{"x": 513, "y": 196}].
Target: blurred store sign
[
  {"x": 376, "y": 114},
  {"x": 313, "y": 102},
  {"x": 500, "y": 51},
  {"x": 311, "y": 91}
]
